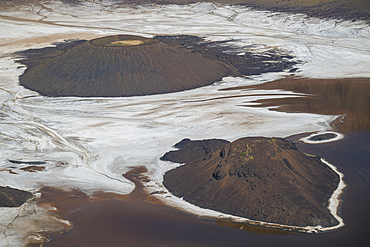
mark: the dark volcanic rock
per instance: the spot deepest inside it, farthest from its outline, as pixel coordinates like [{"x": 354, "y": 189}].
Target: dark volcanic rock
[
  {"x": 242, "y": 65},
  {"x": 10, "y": 197},
  {"x": 104, "y": 67},
  {"x": 264, "y": 179},
  {"x": 323, "y": 137},
  {"x": 193, "y": 150}
]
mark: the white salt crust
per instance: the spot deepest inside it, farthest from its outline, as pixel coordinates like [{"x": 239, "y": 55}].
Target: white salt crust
[
  {"x": 306, "y": 139},
  {"x": 88, "y": 143}
]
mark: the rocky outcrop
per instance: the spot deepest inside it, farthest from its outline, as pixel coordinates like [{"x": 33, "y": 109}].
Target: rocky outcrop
[
  {"x": 193, "y": 150},
  {"x": 265, "y": 179},
  {"x": 10, "y": 197}
]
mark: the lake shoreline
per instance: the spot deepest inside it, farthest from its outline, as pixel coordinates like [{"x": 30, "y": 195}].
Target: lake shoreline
[{"x": 159, "y": 191}]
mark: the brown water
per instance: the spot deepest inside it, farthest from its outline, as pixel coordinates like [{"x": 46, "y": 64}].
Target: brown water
[
  {"x": 351, "y": 155},
  {"x": 326, "y": 96},
  {"x": 133, "y": 221}
]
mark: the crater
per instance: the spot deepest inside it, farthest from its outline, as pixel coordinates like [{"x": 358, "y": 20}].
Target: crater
[
  {"x": 129, "y": 65},
  {"x": 324, "y": 137}
]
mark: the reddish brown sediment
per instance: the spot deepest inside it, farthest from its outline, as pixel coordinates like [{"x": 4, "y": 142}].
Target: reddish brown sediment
[
  {"x": 66, "y": 200},
  {"x": 325, "y": 96},
  {"x": 33, "y": 168},
  {"x": 252, "y": 228},
  {"x": 111, "y": 219}
]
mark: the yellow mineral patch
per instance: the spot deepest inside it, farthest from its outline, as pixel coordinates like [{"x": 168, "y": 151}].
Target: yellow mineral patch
[{"x": 127, "y": 42}]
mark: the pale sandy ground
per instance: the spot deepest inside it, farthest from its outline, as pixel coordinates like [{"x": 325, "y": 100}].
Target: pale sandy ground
[
  {"x": 127, "y": 42},
  {"x": 89, "y": 143}
]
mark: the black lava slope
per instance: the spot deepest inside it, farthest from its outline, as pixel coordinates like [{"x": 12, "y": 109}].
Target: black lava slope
[{"x": 104, "y": 67}]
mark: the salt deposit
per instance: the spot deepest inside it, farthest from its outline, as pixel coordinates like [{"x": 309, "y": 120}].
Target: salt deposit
[
  {"x": 307, "y": 139},
  {"x": 88, "y": 143}
]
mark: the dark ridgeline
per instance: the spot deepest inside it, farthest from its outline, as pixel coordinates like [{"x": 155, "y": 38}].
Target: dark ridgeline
[
  {"x": 259, "y": 178},
  {"x": 10, "y": 197},
  {"x": 100, "y": 68}
]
